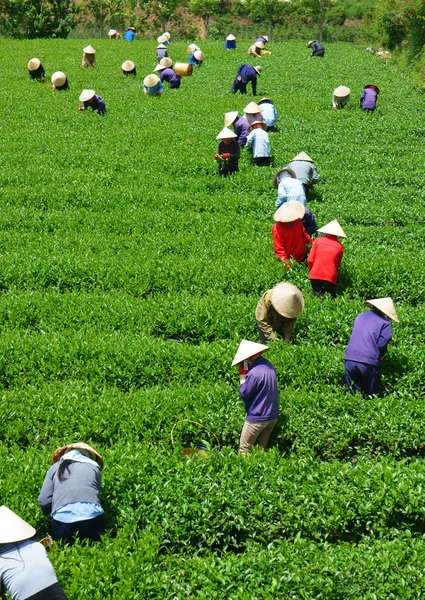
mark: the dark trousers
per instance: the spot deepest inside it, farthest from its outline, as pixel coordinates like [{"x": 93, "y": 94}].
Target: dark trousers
[
  {"x": 361, "y": 377},
  {"x": 238, "y": 86},
  {"x": 320, "y": 286},
  {"x": 89, "y": 529},
  {"x": 260, "y": 161},
  {"x": 53, "y": 592},
  {"x": 319, "y": 53}
]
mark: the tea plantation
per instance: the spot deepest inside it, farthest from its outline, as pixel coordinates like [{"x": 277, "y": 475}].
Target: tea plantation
[{"x": 129, "y": 273}]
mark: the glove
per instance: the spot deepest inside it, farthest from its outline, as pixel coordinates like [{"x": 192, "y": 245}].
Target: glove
[{"x": 216, "y": 156}]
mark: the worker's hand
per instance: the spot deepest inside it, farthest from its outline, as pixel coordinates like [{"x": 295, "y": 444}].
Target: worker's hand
[
  {"x": 225, "y": 155},
  {"x": 334, "y": 107},
  {"x": 311, "y": 54},
  {"x": 80, "y": 108},
  {"x": 216, "y": 156},
  {"x": 43, "y": 79},
  {"x": 53, "y": 88},
  {"x": 239, "y": 78},
  {"x": 159, "y": 94}
]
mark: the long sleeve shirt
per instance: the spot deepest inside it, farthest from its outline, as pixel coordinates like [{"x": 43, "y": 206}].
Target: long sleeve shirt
[
  {"x": 305, "y": 171},
  {"x": 38, "y": 73},
  {"x": 325, "y": 258},
  {"x": 25, "y": 569},
  {"x": 270, "y": 321},
  {"x": 89, "y": 60},
  {"x": 340, "y": 102},
  {"x": 169, "y": 75},
  {"x": 317, "y": 48},
  {"x": 193, "y": 60},
  {"x": 259, "y": 392},
  {"x": 368, "y": 99},
  {"x": 259, "y": 140},
  {"x": 251, "y": 118},
  {"x": 309, "y": 222},
  {"x": 290, "y": 189},
  {"x": 156, "y": 89},
  {"x": 371, "y": 334},
  {"x": 248, "y": 73},
  {"x": 97, "y": 104},
  {"x": 254, "y": 51},
  {"x": 290, "y": 239},
  {"x": 235, "y": 151},
  {"x": 240, "y": 126},
  {"x": 269, "y": 113},
  {"x": 129, "y": 35},
  {"x": 161, "y": 53},
  {"x": 230, "y": 45}
]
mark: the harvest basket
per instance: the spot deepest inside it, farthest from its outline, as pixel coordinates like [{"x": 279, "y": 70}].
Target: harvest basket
[
  {"x": 191, "y": 448},
  {"x": 183, "y": 69}
]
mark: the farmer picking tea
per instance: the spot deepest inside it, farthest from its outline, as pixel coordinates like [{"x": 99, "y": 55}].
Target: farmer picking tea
[
  {"x": 36, "y": 70},
  {"x": 277, "y": 312},
  {"x": 288, "y": 187},
  {"x": 196, "y": 58},
  {"x": 166, "y": 73},
  {"x": 264, "y": 40},
  {"x": 304, "y": 170},
  {"x": 290, "y": 239},
  {"x": 256, "y": 49},
  {"x": 228, "y": 152},
  {"x": 316, "y": 48},
  {"x": 240, "y": 126},
  {"x": 252, "y": 113},
  {"x": 89, "y": 57},
  {"x": 369, "y": 97},
  {"x": 230, "y": 43},
  {"x": 258, "y": 140},
  {"x": 25, "y": 571},
  {"x": 325, "y": 259},
  {"x": 371, "y": 334},
  {"x": 114, "y": 35},
  {"x": 130, "y": 34},
  {"x": 268, "y": 111},
  {"x": 341, "y": 97},
  {"x": 152, "y": 85},
  {"x": 246, "y": 74},
  {"x": 259, "y": 393},
  {"x": 59, "y": 81},
  {"x": 90, "y": 99},
  {"x": 70, "y": 493},
  {"x": 161, "y": 51}
]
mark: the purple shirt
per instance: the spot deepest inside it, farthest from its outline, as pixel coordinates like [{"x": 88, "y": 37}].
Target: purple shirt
[
  {"x": 368, "y": 99},
  {"x": 371, "y": 334},
  {"x": 97, "y": 103},
  {"x": 241, "y": 129},
  {"x": 309, "y": 222},
  {"x": 259, "y": 392},
  {"x": 169, "y": 75},
  {"x": 261, "y": 39}
]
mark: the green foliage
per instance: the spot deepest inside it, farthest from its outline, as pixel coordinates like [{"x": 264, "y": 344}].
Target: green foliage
[{"x": 39, "y": 18}]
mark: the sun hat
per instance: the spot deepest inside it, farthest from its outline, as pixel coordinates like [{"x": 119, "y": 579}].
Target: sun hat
[
  {"x": 342, "y": 91},
  {"x": 166, "y": 62},
  {"x": 89, "y": 50},
  {"x": 159, "y": 67},
  {"x": 287, "y": 300},
  {"x": 199, "y": 55},
  {"x": 258, "y": 69},
  {"x": 333, "y": 228},
  {"x": 230, "y": 117},
  {"x": 373, "y": 86},
  {"x": 276, "y": 176},
  {"x": 59, "y": 452},
  {"x": 252, "y": 108},
  {"x": 260, "y": 45},
  {"x": 262, "y": 123},
  {"x": 131, "y": 28},
  {"x": 310, "y": 42},
  {"x": 160, "y": 46},
  {"x": 265, "y": 37},
  {"x": 167, "y": 35},
  {"x": 150, "y": 81},
  {"x": 302, "y": 156},
  {"x": 33, "y": 64},
  {"x": 289, "y": 212},
  {"x": 162, "y": 39},
  {"x": 248, "y": 349},
  {"x": 226, "y": 134},
  {"x": 127, "y": 66},
  {"x": 86, "y": 95},
  {"x": 230, "y": 37},
  {"x": 191, "y": 48},
  {"x": 386, "y": 306},
  {"x": 112, "y": 32},
  {"x": 13, "y": 528},
  {"x": 265, "y": 100},
  {"x": 58, "y": 78}
]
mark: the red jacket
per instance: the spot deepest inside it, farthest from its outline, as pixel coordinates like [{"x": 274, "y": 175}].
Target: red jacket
[
  {"x": 290, "y": 239},
  {"x": 325, "y": 258}
]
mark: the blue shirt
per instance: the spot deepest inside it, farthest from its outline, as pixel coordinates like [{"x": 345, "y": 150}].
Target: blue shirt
[
  {"x": 129, "y": 35},
  {"x": 193, "y": 60},
  {"x": 154, "y": 90},
  {"x": 259, "y": 140},
  {"x": 259, "y": 392},
  {"x": 269, "y": 113},
  {"x": 230, "y": 45},
  {"x": 77, "y": 511},
  {"x": 290, "y": 189}
]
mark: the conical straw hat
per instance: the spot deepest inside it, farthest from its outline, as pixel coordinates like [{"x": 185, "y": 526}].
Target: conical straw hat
[
  {"x": 160, "y": 46},
  {"x": 127, "y": 66},
  {"x": 199, "y": 55},
  {"x": 262, "y": 123},
  {"x": 13, "y": 528},
  {"x": 230, "y": 38},
  {"x": 89, "y": 50},
  {"x": 265, "y": 37},
  {"x": 310, "y": 42},
  {"x": 260, "y": 44},
  {"x": 77, "y": 446},
  {"x": 191, "y": 48},
  {"x": 167, "y": 35},
  {"x": 58, "y": 78},
  {"x": 159, "y": 67},
  {"x": 112, "y": 32},
  {"x": 342, "y": 91},
  {"x": 229, "y": 117},
  {"x": 248, "y": 349},
  {"x": 386, "y": 306},
  {"x": 33, "y": 64},
  {"x": 276, "y": 176},
  {"x": 333, "y": 228},
  {"x": 150, "y": 81},
  {"x": 302, "y": 156},
  {"x": 166, "y": 61},
  {"x": 86, "y": 95},
  {"x": 162, "y": 39},
  {"x": 373, "y": 86},
  {"x": 252, "y": 108},
  {"x": 289, "y": 211},
  {"x": 265, "y": 100},
  {"x": 287, "y": 300},
  {"x": 258, "y": 69},
  {"x": 226, "y": 134}
]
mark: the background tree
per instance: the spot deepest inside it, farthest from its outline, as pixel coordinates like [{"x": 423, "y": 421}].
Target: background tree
[
  {"x": 38, "y": 18},
  {"x": 318, "y": 10},
  {"x": 107, "y": 13},
  {"x": 204, "y": 9},
  {"x": 270, "y": 11},
  {"x": 159, "y": 13}
]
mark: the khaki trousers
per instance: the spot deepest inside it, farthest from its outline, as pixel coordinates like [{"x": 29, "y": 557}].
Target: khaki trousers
[{"x": 257, "y": 433}]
